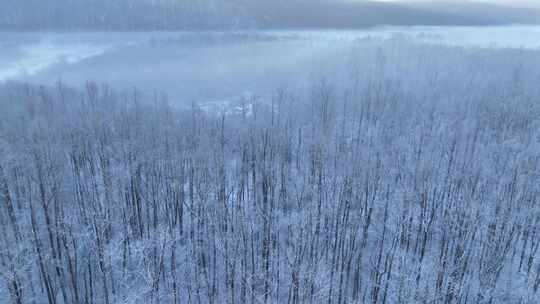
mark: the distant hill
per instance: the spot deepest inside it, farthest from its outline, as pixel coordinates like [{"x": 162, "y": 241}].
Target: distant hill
[
  {"x": 138, "y": 15},
  {"x": 346, "y": 14},
  {"x": 515, "y": 12}
]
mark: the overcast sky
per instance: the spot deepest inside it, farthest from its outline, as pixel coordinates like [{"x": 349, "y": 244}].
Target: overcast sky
[{"x": 527, "y": 3}]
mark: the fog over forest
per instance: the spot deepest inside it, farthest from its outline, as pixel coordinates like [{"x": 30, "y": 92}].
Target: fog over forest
[{"x": 235, "y": 151}]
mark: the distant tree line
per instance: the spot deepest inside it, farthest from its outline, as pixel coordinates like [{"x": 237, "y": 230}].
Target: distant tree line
[
  {"x": 414, "y": 182},
  {"x": 122, "y": 15},
  {"x": 139, "y": 15}
]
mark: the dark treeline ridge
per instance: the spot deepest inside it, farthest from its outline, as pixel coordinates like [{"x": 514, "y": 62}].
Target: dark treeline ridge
[
  {"x": 122, "y": 15},
  {"x": 386, "y": 189},
  {"x": 143, "y": 15}
]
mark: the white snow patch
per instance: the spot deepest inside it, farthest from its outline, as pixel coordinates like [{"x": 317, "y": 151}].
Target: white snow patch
[{"x": 40, "y": 56}]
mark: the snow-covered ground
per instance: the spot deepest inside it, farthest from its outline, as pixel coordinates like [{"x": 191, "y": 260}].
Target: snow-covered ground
[{"x": 36, "y": 57}]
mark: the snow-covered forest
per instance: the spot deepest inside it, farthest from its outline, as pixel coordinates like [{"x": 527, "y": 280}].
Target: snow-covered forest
[{"x": 415, "y": 179}]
